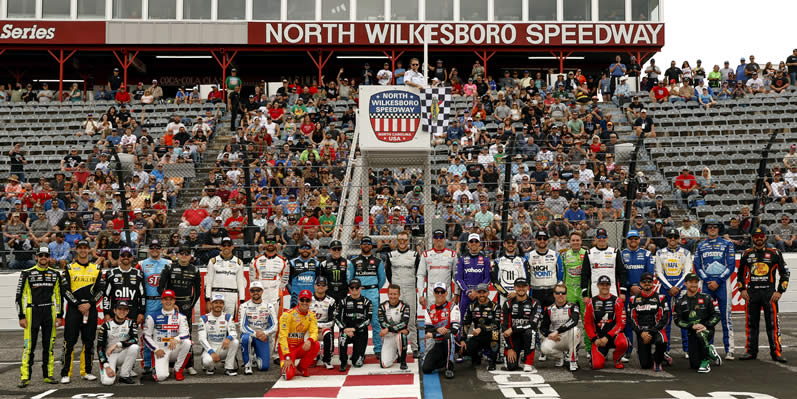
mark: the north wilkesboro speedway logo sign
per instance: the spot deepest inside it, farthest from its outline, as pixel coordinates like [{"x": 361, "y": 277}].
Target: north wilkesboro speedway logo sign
[{"x": 395, "y": 115}]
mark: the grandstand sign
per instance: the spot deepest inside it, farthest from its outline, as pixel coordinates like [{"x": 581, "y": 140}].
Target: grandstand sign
[
  {"x": 457, "y": 34},
  {"x": 390, "y": 124},
  {"x": 52, "y": 32}
]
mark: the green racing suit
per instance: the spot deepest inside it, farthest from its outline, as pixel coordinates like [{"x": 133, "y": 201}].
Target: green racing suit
[{"x": 572, "y": 261}]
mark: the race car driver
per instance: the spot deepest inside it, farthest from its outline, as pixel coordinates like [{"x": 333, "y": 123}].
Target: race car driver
[
  {"x": 324, "y": 307},
  {"x": 226, "y": 276},
  {"x": 117, "y": 345},
  {"x": 168, "y": 339},
  {"x": 472, "y": 269},
  {"x": 272, "y": 270},
  {"x": 401, "y": 269},
  {"x": 604, "y": 322},
  {"x": 757, "y": 270},
  {"x": 442, "y": 324},
  {"x": 519, "y": 322},
  {"x": 335, "y": 268},
  {"x": 303, "y": 270},
  {"x": 637, "y": 261},
  {"x": 394, "y": 316},
  {"x": 572, "y": 260},
  {"x": 184, "y": 280},
  {"x": 545, "y": 269},
  {"x": 714, "y": 262},
  {"x": 507, "y": 267},
  {"x": 673, "y": 263},
  {"x": 559, "y": 328},
  {"x": 258, "y": 320},
  {"x": 438, "y": 264},
  {"x": 603, "y": 260},
  {"x": 484, "y": 316},
  {"x": 125, "y": 283},
  {"x": 82, "y": 286},
  {"x": 298, "y": 338},
  {"x": 648, "y": 313},
  {"x": 352, "y": 318},
  {"x": 151, "y": 268},
  {"x": 219, "y": 338},
  {"x": 698, "y": 313},
  {"x": 38, "y": 302},
  {"x": 370, "y": 270}
]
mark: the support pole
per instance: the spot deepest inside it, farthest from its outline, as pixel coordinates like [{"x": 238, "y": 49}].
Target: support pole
[
  {"x": 224, "y": 63},
  {"x": 61, "y": 60},
  {"x": 128, "y": 60},
  {"x": 561, "y": 56},
  {"x": 85, "y": 77},
  {"x": 631, "y": 186},
  {"x": 321, "y": 62},
  {"x": 2, "y": 50},
  {"x": 17, "y": 74},
  {"x": 509, "y": 149},
  {"x": 123, "y": 191},
  {"x": 484, "y": 57},
  {"x": 393, "y": 58}
]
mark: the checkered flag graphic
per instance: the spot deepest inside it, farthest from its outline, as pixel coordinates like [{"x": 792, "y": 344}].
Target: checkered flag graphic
[{"x": 436, "y": 109}]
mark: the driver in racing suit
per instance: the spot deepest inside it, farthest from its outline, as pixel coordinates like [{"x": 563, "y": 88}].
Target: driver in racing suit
[
  {"x": 167, "y": 337},
  {"x": 519, "y": 322},
  {"x": 402, "y": 266},
  {"x": 323, "y": 306},
  {"x": 637, "y": 261},
  {"x": 507, "y": 267},
  {"x": 151, "y": 268},
  {"x": 545, "y": 270},
  {"x": 218, "y": 336},
  {"x": 370, "y": 270},
  {"x": 184, "y": 279},
  {"x": 572, "y": 260},
  {"x": 472, "y": 269},
  {"x": 603, "y": 260},
  {"x": 436, "y": 265},
  {"x": 272, "y": 271},
  {"x": 304, "y": 269},
  {"x": 394, "y": 315},
  {"x": 714, "y": 262},
  {"x": 334, "y": 268},
  {"x": 258, "y": 320},
  {"x": 673, "y": 263},
  {"x": 226, "y": 276}
]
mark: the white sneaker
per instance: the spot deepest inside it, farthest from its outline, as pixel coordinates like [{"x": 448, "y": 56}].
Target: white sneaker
[
  {"x": 529, "y": 368},
  {"x": 133, "y": 374},
  {"x": 328, "y": 365},
  {"x": 65, "y": 379},
  {"x": 210, "y": 372},
  {"x": 543, "y": 358},
  {"x": 624, "y": 359},
  {"x": 573, "y": 366},
  {"x": 560, "y": 362},
  {"x": 730, "y": 356},
  {"x": 191, "y": 371},
  {"x": 248, "y": 370},
  {"x": 89, "y": 377},
  {"x": 686, "y": 355}
]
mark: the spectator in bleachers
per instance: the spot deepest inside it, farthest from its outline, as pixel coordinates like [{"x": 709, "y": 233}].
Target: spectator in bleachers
[
  {"x": 645, "y": 125},
  {"x": 725, "y": 92},
  {"x": 740, "y": 70},
  {"x": 780, "y": 190},
  {"x": 673, "y": 72},
  {"x": 751, "y": 68},
  {"x": 45, "y": 94},
  {"x": 779, "y": 82},
  {"x": 689, "y": 234},
  {"x": 29, "y": 95},
  {"x": 75, "y": 94},
  {"x": 4, "y": 95},
  {"x": 784, "y": 234},
  {"x": 706, "y": 100},
  {"x": 622, "y": 92},
  {"x": 685, "y": 187},
  {"x": 755, "y": 84},
  {"x": 736, "y": 235},
  {"x": 660, "y": 93}
]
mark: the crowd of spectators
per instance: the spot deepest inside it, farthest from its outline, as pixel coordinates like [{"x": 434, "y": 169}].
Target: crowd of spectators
[{"x": 296, "y": 143}]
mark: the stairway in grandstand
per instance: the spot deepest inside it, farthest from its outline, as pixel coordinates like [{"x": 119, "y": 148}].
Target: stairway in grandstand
[{"x": 728, "y": 139}]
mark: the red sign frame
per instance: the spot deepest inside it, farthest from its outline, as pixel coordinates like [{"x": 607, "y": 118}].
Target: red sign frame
[{"x": 52, "y": 32}]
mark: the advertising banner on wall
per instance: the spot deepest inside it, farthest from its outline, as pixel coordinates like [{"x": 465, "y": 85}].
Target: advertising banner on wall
[
  {"x": 390, "y": 121},
  {"x": 40, "y": 32}
]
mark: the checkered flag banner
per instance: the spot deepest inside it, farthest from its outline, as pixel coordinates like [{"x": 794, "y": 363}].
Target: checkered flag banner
[{"x": 436, "y": 109}]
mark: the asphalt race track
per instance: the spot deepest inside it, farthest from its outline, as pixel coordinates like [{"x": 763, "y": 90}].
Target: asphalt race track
[{"x": 759, "y": 379}]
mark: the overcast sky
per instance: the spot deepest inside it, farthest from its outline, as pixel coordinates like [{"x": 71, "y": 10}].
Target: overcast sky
[{"x": 719, "y": 30}]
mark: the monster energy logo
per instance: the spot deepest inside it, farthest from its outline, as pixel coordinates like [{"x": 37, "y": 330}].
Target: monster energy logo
[{"x": 336, "y": 275}]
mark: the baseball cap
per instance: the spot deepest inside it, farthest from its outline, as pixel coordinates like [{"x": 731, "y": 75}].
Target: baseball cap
[
  {"x": 671, "y": 233},
  {"x": 184, "y": 250},
  {"x": 541, "y": 234},
  {"x": 321, "y": 279},
  {"x": 438, "y": 233},
  {"x": 646, "y": 276},
  {"x": 125, "y": 250},
  {"x": 474, "y": 236},
  {"x": 255, "y": 284},
  {"x": 691, "y": 276},
  {"x": 270, "y": 238},
  {"x": 355, "y": 283},
  {"x": 366, "y": 241},
  {"x": 122, "y": 304},
  {"x": 632, "y": 233},
  {"x": 154, "y": 244},
  {"x": 43, "y": 250},
  {"x": 510, "y": 237},
  {"x": 604, "y": 280},
  {"x": 521, "y": 281},
  {"x": 601, "y": 233},
  {"x": 482, "y": 287},
  {"x": 82, "y": 243},
  {"x": 659, "y": 221},
  {"x": 217, "y": 297},
  {"x": 226, "y": 240},
  {"x": 711, "y": 222},
  {"x": 759, "y": 231},
  {"x": 440, "y": 286},
  {"x": 335, "y": 244},
  {"x": 168, "y": 294},
  {"x": 305, "y": 245}
]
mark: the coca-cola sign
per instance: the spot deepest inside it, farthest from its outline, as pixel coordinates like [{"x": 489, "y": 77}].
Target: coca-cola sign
[{"x": 52, "y": 32}]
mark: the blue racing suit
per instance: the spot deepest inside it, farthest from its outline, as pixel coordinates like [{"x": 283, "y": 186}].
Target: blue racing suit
[
  {"x": 671, "y": 269},
  {"x": 715, "y": 260},
  {"x": 636, "y": 263},
  {"x": 303, "y": 273},
  {"x": 472, "y": 270},
  {"x": 371, "y": 272},
  {"x": 152, "y": 269}
]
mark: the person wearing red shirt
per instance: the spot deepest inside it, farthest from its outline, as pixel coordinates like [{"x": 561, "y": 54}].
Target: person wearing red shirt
[
  {"x": 309, "y": 220},
  {"x": 276, "y": 113},
  {"x": 215, "y": 95},
  {"x": 686, "y": 186},
  {"x": 194, "y": 215},
  {"x": 660, "y": 93},
  {"x": 122, "y": 96},
  {"x": 235, "y": 224}
]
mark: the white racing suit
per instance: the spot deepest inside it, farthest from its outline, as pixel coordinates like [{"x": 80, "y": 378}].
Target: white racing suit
[
  {"x": 226, "y": 277},
  {"x": 123, "y": 337},
  {"x": 213, "y": 331},
  {"x": 159, "y": 329},
  {"x": 435, "y": 266},
  {"x": 394, "y": 344},
  {"x": 324, "y": 310},
  {"x": 402, "y": 269},
  {"x": 563, "y": 319},
  {"x": 256, "y": 317},
  {"x": 273, "y": 272}
]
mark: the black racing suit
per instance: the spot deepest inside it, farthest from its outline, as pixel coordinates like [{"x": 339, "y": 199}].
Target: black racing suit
[
  {"x": 335, "y": 271},
  {"x": 650, "y": 314},
  {"x": 353, "y": 313},
  {"x": 186, "y": 282},
  {"x": 523, "y": 317},
  {"x": 125, "y": 285},
  {"x": 487, "y": 318},
  {"x": 38, "y": 301},
  {"x": 80, "y": 283},
  {"x": 757, "y": 270},
  {"x": 698, "y": 309}
]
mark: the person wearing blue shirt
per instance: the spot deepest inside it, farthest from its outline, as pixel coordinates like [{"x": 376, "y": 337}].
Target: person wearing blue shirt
[
  {"x": 303, "y": 271},
  {"x": 370, "y": 270},
  {"x": 60, "y": 250},
  {"x": 398, "y": 74},
  {"x": 457, "y": 168},
  {"x": 714, "y": 262},
  {"x": 454, "y": 132},
  {"x": 574, "y": 213},
  {"x": 637, "y": 260},
  {"x": 740, "y": 71}
]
